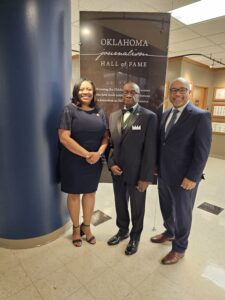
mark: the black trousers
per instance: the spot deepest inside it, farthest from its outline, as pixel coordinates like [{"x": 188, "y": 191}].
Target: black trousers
[
  {"x": 124, "y": 192},
  {"x": 176, "y": 207}
]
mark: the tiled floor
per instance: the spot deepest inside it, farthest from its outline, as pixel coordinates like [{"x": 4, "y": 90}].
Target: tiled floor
[{"x": 61, "y": 271}]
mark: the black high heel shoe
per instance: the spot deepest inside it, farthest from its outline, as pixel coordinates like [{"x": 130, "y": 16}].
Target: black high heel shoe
[
  {"x": 76, "y": 242},
  {"x": 92, "y": 239}
]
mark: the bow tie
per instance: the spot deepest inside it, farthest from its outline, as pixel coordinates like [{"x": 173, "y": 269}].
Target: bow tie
[{"x": 124, "y": 110}]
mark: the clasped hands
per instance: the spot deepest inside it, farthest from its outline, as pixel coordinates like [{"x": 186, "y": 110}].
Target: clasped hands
[
  {"x": 93, "y": 157},
  {"x": 141, "y": 185}
]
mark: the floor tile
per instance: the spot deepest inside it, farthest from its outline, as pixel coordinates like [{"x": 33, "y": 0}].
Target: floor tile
[
  {"x": 28, "y": 293},
  {"x": 81, "y": 294},
  {"x": 135, "y": 268},
  {"x": 40, "y": 265},
  {"x": 13, "y": 280},
  {"x": 7, "y": 260},
  {"x": 58, "y": 285},
  {"x": 156, "y": 286},
  {"x": 108, "y": 286},
  {"x": 86, "y": 267}
]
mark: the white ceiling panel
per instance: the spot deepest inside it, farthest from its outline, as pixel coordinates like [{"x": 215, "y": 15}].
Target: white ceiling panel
[
  {"x": 116, "y": 5},
  {"x": 191, "y": 44},
  {"x": 209, "y": 27},
  {"x": 167, "y": 5},
  {"x": 182, "y": 34},
  {"x": 218, "y": 38},
  {"x": 174, "y": 24}
]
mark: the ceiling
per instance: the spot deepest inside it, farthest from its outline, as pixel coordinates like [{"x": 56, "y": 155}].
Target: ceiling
[{"x": 206, "y": 38}]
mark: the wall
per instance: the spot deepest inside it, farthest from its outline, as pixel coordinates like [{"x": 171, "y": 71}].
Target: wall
[{"x": 218, "y": 146}]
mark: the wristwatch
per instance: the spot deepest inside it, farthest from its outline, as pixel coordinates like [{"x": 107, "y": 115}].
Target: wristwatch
[{"x": 101, "y": 154}]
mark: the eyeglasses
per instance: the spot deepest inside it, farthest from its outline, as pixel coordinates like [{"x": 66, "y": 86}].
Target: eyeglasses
[
  {"x": 133, "y": 93},
  {"x": 180, "y": 90}
]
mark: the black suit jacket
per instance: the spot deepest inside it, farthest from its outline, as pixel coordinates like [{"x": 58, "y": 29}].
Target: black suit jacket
[
  {"x": 134, "y": 149},
  {"x": 185, "y": 151}
]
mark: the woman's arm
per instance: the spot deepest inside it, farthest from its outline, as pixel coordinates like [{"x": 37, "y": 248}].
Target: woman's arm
[{"x": 71, "y": 144}]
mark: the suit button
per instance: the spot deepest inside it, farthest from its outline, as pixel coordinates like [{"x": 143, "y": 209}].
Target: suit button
[{"x": 164, "y": 143}]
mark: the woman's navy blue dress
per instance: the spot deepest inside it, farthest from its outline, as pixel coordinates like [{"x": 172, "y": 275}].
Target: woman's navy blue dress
[{"x": 87, "y": 129}]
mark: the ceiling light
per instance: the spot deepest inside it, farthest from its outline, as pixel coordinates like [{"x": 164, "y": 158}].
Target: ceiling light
[
  {"x": 199, "y": 11},
  {"x": 86, "y": 30}
]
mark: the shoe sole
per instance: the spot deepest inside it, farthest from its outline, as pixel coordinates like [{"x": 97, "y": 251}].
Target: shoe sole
[{"x": 128, "y": 253}]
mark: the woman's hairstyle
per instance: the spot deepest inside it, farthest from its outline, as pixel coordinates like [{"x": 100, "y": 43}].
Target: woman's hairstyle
[{"x": 76, "y": 99}]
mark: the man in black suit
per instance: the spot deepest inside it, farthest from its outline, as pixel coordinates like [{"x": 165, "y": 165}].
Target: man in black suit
[
  {"x": 185, "y": 139},
  {"x": 132, "y": 162}
]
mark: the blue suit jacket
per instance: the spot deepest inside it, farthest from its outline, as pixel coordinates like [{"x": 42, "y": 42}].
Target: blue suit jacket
[{"x": 185, "y": 151}]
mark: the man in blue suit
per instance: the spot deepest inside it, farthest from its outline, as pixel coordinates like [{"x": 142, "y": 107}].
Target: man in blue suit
[{"x": 185, "y": 140}]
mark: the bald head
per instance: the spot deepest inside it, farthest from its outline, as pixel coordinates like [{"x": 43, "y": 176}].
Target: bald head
[{"x": 181, "y": 80}]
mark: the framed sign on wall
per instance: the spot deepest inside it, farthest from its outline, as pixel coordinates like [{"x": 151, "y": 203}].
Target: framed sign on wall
[
  {"x": 218, "y": 126},
  {"x": 218, "y": 110},
  {"x": 219, "y": 94}
]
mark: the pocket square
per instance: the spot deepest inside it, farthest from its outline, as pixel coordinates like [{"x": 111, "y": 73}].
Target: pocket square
[{"x": 136, "y": 127}]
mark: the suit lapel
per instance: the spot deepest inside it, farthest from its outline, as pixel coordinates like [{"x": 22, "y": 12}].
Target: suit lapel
[
  {"x": 185, "y": 114},
  {"x": 134, "y": 117},
  {"x": 164, "y": 118},
  {"x": 119, "y": 122},
  {"x": 163, "y": 122}
]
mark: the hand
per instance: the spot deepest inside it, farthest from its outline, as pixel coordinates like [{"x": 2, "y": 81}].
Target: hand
[
  {"x": 93, "y": 157},
  {"x": 142, "y": 185},
  {"x": 187, "y": 184},
  {"x": 116, "y": 170}
]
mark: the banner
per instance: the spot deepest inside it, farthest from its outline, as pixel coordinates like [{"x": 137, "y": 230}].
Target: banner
[{"x": 117, "y": 47}]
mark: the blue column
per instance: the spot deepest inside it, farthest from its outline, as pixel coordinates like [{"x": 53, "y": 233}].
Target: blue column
[{"x": 35, "y": 74}]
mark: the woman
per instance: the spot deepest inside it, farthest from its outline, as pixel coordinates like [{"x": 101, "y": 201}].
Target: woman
[{"x": 83, "y": 132}]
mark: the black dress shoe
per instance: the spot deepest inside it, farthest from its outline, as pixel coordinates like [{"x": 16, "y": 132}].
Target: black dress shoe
[
  {"x": 117, "y": 238},
  {"x": 132, "y": 247}
]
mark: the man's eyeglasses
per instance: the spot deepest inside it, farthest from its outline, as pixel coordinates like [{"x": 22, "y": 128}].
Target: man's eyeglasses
[
  {"x": 180, "y": 90},
  {"x": 133, "y": 93}
]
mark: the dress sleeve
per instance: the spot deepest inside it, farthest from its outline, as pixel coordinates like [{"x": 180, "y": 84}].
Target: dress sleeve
[
  {"x": 66, "y": 119},
  {"x": 105, "y": 121}
]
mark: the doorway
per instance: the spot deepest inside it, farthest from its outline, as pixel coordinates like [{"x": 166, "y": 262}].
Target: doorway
[{"x": 199, "y": 96}]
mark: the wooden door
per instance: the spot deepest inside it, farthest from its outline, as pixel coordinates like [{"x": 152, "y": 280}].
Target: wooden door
[{"x": 199, "y": 96}]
